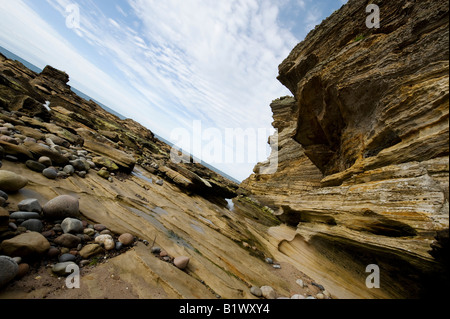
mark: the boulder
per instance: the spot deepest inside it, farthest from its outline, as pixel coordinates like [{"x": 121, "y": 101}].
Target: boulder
[
  {"x": 40, "y": 150},
  {"x": 126, "y": 239},
  {"x": 31, "y": 132},
  {"x": 61, "y": 207},
  {"x": 64, "y": 133},
  {"x": 50, "y": 173},
  {"x": 91, "y": 250},
  {"x": 89, "y": 231},
  {"x": 19, "y": 151},
  {"x": 79, "y": 165},
  {"x": 106, "y": 240},
  {"x": 25, "y": 215},
  {"x": 58, "y": 140},
  {"x": 68, "y": 240},
  {"x": 181, "y": 262},
  {"x": 256, "y": 291},
  {"x": 30, "y": 205},
  {"x": 53, "y": 75},
  {"x": 44, "y": 160},
  {"x": 66, "y": 257},
  {"x": 8, "y": 270},
  {"x": 72, "y": 225},
  {"x": 23, "y": 270},
  {"x": 34, "y": 225},
  {"x": 69, "y": 169},
  {"x": 29, "y": 106},
  {"x": 105, "y": 162},
  {"x": 8, "y": 139},
  {"x": 4, "y": 195},
  {"x": 93, "y": 143},
  {"x": 103, "y": 173},
  {"x": 30, "y": 244},
  {"x": 11, "y": 182}
]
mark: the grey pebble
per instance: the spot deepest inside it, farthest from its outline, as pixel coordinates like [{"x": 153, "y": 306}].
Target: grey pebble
[{"x": 66, "y": 257}]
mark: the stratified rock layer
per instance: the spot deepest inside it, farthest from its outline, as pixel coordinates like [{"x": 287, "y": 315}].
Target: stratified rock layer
[{"x": 363, "y": 150}]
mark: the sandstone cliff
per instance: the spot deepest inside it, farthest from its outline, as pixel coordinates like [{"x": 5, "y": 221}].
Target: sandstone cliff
[{"x": 363, "y": 150}]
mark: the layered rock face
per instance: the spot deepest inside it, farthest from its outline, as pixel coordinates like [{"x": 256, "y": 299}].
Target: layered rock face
[
  {"x": 43, "y": 106},
  {"x": 363, "y": 149}
]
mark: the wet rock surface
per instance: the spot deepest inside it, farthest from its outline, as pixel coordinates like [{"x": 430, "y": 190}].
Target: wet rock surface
[{"x": 363, "y": 165}]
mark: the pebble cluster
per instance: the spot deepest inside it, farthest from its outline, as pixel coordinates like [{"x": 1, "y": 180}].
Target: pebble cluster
[
  {"x": 49, "y": 154},
  {"x": 268, "y": 292},
  {"x": 55, "y": 234}
]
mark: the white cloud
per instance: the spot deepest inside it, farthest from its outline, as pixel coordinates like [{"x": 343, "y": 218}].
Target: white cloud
[{"x": 172, "y": 62}]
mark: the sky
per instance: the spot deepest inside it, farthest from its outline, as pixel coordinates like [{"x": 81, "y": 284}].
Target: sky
[{"x": 191, "y": 71}]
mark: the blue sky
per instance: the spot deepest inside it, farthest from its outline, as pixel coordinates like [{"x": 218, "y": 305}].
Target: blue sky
[{"x": 168, "y": 63}]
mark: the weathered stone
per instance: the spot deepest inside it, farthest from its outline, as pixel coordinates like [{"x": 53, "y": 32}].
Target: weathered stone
[
  {"x": 35, "y": 166},
  {"x": 91, "y": 250},
  {"x": 61, "y": 207},
  {"x": 106, "y": 240},
  {"x": 105, "y": 162},
  {"x": 33, "y": 225},
  {"x": 99, "y": 227},
  {"x": 29, "y": 106},
  {"x": 30, "y": 244},
  {"x": 82, "y": 174},
  {"x": 69, "y": 169},
  {"x": 89, "y": 231},
  {"x": 126, "y": 239},
  {"x": 31, "y": 132},
  {"x": 11, "y": 182},
  {"x": 53, "y": 252},
  {"x": 4, "y": 195},
  {"x": 22, "y": 270},
  {"x": 50, "y": 173},
  {"x": 8, "y": 270},
  {"x": 30, "y": 205},
  {"x": 66, "y": 257},
  {"x": 68, "y": 240},
  {"x": 72, "y": 225},
  {"x": 44, "y": 160},
  {"x": 40, "y": 150},
  {"x": 268, "y": 292},
  {"x": 256, "y": 291},
  {"x": 78, "y": 164},
  {"x": 8, "y": 139},
  {"x": 181, "y": 262},
  {"x": 103, "y": 173},
  {"x": 57, "y": 140},
  {"x": 63, "y": 268},
  {"x": 92, "y": 142}
]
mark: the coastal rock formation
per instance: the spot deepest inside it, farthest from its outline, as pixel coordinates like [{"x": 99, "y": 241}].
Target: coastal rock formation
[{"x": 363, "y": 149}]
